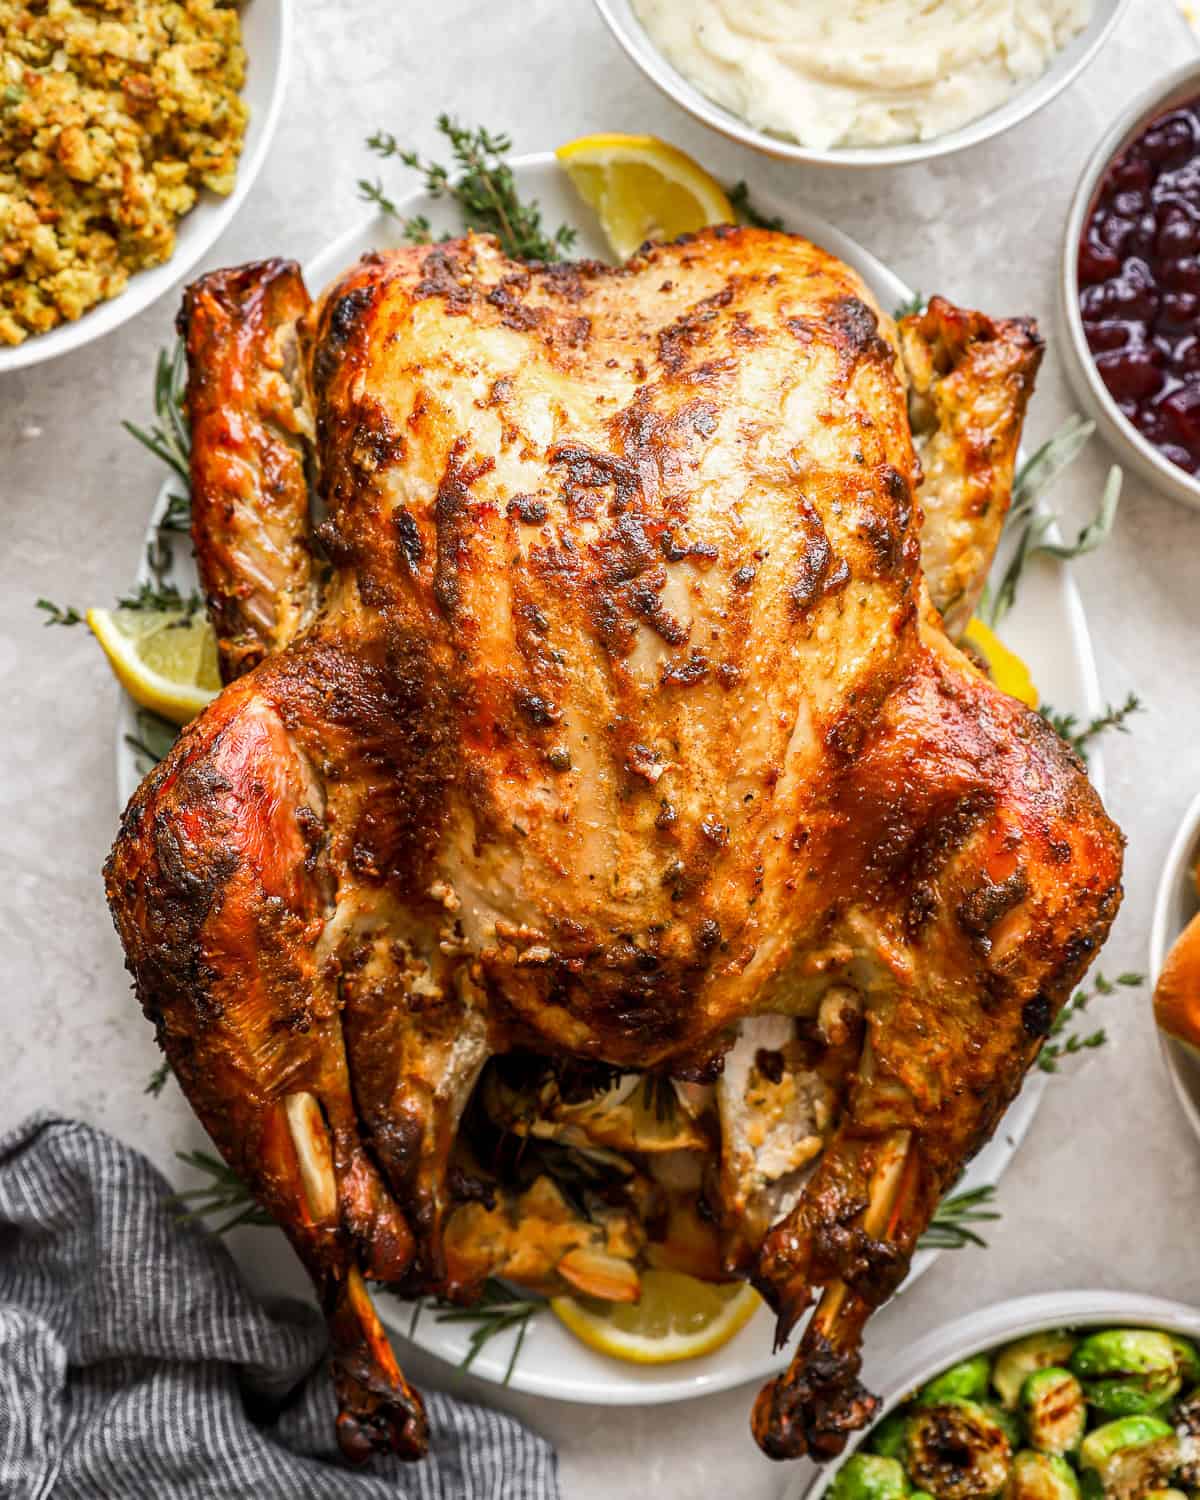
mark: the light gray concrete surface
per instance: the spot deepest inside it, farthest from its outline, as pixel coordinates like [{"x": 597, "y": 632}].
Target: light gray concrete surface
[{"x": 1106, "y": 1190}]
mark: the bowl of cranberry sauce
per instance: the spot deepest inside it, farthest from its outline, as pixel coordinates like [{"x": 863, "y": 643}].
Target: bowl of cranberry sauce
[{"x": 1131, "y": 285}]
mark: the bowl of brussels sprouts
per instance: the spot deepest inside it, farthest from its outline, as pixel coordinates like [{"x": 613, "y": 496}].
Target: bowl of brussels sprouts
[{"x": 1064, "y": 1396}]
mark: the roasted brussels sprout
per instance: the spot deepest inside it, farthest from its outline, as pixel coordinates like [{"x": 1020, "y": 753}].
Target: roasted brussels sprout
[
  {"x": 888, "y": 1436},
  {"x": 967, "y": 1381},
  {"x": 1127, "y": 1372},
  {"x": 1041, "y": 1476},
  {"x": 1017, "y": 1361},
  {"x": 1006, "y": 1421},
  {"x": 870, "y": 1476},
  {"x": 1187, "y": 1360},
  {"x": 957, "y": 1451},
  {"x": 1053, "y": 1410},
  {"x": 1186, "y": 1420},
  {"x": 1130, "y": 1456}
]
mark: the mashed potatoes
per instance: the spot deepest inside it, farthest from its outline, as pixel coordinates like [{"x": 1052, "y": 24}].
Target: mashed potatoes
[
  {"x": 860, "y": 72},
  {"x": 113, "y": 113}
]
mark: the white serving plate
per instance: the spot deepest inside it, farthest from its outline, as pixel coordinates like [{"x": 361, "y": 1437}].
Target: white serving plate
[
  {"x": 1047, "y": 628},
  {"x": 267, "y": 37},
  {"x": 1063, "y": 69},
  {"x": 979, "y": 1331},
  {"x": 1175, "y": 905}
]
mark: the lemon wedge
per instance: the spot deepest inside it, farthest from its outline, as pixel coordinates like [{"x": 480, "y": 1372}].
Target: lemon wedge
[
  {"x": 676, "y": 1317},
  {"x": 165, "y": 659},
  {"x": 1009, "y": 672},
  {"x": 642, "y": 188}
]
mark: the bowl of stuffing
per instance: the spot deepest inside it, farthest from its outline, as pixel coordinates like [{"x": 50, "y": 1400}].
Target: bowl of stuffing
[
  {"x": 1058, "y": 1396},
  {"x": 861, "y": 83},
  {"x": 129, "y": 137}
]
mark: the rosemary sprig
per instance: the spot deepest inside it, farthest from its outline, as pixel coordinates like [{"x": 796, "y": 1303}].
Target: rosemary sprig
[
  {"x": 949, "y": 1229},
  {"x": 744, "y": 209},
  {"x": 499, "y": 1309},
  {"x": 224, "y": 1193},
  {"x": 1067, "y": 725},
  {"x": 481, "y": 183},
  {"x": 1062, "y": 1043},
  {"x": 153, "y": 740},
  {"x": 1033, "y": 479},
  {"x": 158, "y": 1079},
  {"x": 57, "y": 614},
  {"x": 169, "y": 439}
]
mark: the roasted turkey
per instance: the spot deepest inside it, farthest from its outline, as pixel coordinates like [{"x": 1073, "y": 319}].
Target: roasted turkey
[{"x": 601, "y": 855}]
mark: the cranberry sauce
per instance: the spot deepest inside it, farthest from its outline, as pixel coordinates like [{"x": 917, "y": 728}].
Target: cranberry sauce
[{"x": 1139, "y": 283}]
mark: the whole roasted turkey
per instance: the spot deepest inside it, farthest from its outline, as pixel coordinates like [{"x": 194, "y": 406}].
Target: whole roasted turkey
[{"x": 601, "y": 857}]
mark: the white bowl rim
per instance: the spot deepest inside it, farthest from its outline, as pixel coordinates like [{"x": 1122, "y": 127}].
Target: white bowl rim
[
  {"x": 140, "y": 294},
  {"x": 998, "y": 1324},
  {"x": 1163, "y": 932},
  {"x": 1019, "y": 106},
  {"x": 1151, "y": 101}
]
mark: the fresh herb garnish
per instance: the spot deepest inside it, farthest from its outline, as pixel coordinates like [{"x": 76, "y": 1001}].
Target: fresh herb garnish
[
  {"x": 158, "y": 1079},
  {"x": 224, "y": 1193},
  {"x": 500, "y": 1309},
  {"x": 1067, "y": 725},
  {"x": 161, "y": 596},
  {"x": 169, "y": 439},
  {"x": 481, "y": 183},
  {"x": 1033, "y": 479},
  {"x": 949, "y": 1229},
  {"x": 1062, "y": 1043},
  {"x": 739, "y": 199},
  {"x": 909, "y": 309},
  {"x": 56, "y": 614},
  {"x": 154, "y": 738}
]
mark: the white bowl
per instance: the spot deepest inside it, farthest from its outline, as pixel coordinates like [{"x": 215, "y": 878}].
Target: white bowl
[
  {"x": 1066, "y": 65},
  {"x": 1175, "y": 904},
  {"x": 1117, "y": 430},
  {"x": 979, "y": 1331},
  {"x": 267, "y": 36}
]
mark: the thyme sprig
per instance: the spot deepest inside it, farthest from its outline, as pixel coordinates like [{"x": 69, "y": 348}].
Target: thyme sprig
[
  {"x": 162, "y": 596},
  {"x": 1067, "y": 725},
  {"x": 223, "y": 1194},
  {"x": 59, "y": 614},
  {"x": 1061, "y": 1042},
  {"x": 1034, "y": 479},
  {"x": 480, "y": 182},
  {"x": 950, "y": 1227}
]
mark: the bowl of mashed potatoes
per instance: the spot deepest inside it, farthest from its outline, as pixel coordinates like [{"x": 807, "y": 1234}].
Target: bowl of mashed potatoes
[
  {"x": 861, "y": 82},
  {"x": 130, "y": 133}
]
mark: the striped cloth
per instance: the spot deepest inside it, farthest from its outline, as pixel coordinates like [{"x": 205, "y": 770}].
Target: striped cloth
[{"x": 134, "y": 1361}]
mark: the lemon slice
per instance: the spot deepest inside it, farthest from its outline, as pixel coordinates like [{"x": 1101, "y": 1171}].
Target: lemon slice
[
  {"x": 677, "y": 1317},
  {"x": 642, "y": 188},
  {"x": 1009, "y": 672},
  {"x": 166, "y": 660}
]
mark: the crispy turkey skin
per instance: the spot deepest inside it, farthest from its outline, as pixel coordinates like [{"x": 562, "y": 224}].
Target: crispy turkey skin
[{"x": 604, "y": 716}]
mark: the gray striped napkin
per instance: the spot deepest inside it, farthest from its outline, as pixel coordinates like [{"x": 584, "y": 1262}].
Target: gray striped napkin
[{"x": 135, "y": 1362}]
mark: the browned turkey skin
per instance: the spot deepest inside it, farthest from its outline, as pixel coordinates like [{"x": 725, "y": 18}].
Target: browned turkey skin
[{"x": 604, "y": 724}]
